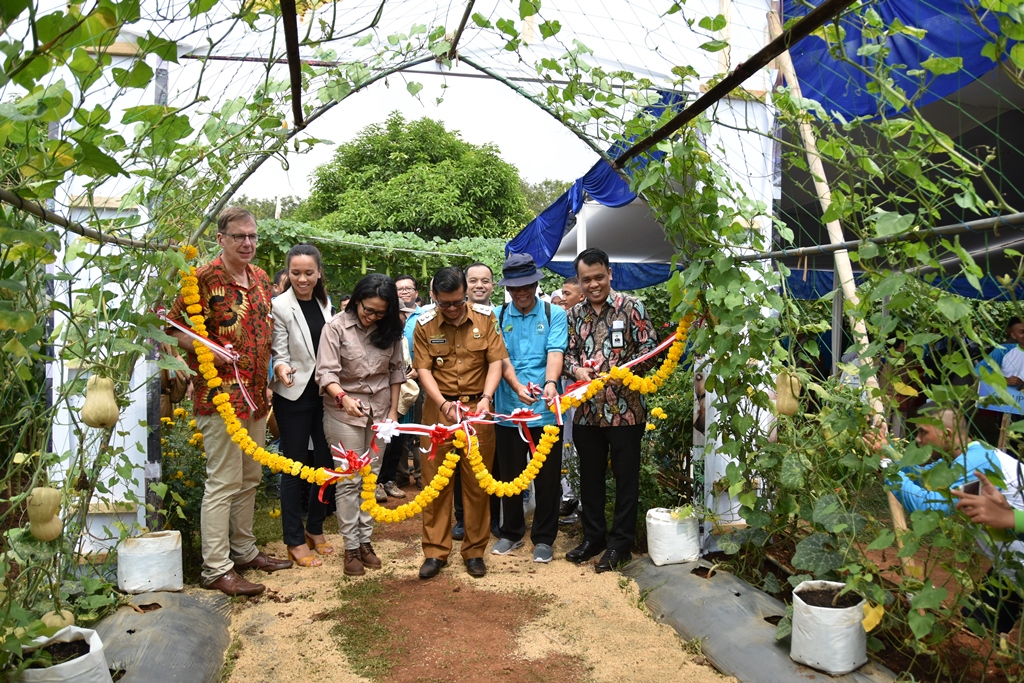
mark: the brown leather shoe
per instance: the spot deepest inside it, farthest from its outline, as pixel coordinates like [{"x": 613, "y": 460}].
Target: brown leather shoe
[
  {"x": 353, "y": 565},
  {"x": 231, "y": 583},
  {"x": 368, "y": 557},
  {"x": 265, "y": 562}
]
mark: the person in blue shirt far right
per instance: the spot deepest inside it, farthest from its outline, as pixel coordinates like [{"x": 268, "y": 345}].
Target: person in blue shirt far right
[{"x": 536, "y": 334}]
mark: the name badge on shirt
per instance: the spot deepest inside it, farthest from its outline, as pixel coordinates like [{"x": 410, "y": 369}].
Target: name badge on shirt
[
  {"x": 438, "y": 341},
  {"x": 618, "y": 338}
]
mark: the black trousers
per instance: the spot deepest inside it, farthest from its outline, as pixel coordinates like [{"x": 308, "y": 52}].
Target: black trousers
[
  {"x": 392, "y": 454},
  {"x": 299, "y": 421},
  {"x": 594, "y": 447},
  {"x": 513, "y": 454}
]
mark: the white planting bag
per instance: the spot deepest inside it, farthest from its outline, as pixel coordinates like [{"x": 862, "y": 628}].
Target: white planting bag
[
  {"x": 151, "y": 562},
  {"x": 89, "y": 668},
  {"x": 671, "y": 541},
  {"x": 829, "y": 639}
]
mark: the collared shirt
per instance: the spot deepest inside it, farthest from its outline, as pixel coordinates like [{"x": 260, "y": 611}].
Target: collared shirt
[
  {"x": 363, "y": 371},
  {"x": 529, "y": 339},
  {"x": 458, "y": 356},
  {"x": 240, "y": 317},
  {"x": 592, "y": 337}
]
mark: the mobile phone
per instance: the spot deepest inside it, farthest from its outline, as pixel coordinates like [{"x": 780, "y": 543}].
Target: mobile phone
[{"x": 972, "y": 487}]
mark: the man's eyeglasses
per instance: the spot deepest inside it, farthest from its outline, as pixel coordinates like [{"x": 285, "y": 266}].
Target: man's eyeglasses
[
  {"x": 372, "y": 313},
  {"x": 406, "y": 289},
  {"x": 240, "y": 238},
  {"x": 453, "y": 304}
]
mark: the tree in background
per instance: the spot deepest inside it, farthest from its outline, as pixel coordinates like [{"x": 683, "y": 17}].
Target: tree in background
[
  {"x": 417, "y": 177},
  {"x": 540, "y": 195},
  {"x": 267, "y": 208}
]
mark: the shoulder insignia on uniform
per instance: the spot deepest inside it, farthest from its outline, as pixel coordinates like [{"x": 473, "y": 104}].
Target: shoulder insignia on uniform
[
  {"x": 426, "y": 317},
  {"x": 483, "y": 309}
]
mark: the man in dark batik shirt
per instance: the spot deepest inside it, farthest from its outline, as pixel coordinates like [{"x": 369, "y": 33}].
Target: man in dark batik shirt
[{"x": 607, "y": 329}]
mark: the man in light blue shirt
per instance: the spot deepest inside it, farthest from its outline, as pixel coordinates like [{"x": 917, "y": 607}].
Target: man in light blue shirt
[{"x": 536, "y": 335}]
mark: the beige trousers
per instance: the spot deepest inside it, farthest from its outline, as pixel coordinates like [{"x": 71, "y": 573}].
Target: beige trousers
[
  {"x": 229, "y": 499},
  {"x": 355, "y": 525}
]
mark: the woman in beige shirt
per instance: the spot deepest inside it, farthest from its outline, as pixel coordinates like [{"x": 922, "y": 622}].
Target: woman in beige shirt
[{"x": 359, "y": 368}]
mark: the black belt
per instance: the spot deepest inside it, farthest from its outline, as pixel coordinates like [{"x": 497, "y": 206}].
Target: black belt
[{"x": 464, "y": 398}]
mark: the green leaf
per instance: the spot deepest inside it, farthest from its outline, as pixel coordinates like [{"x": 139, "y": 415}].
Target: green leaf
[
  {"x": 929, "y": 597},
  {"x": 16, "y": 348},
  {"x": 11, "y": 10},
  {"x": 791, "y": 475},
  {"x": 815, "y": 554},
  {"x": 481, "y": 21},
  {"x": 365, "y": 40},
  {"x": 891, "y": 223},
  {"x": 549, "y": 29},
  {"x": 714, "y": 45},
  {"x": 941, "y": 66},
  {"x": 161, "y": 47},
  {"x": 527, "y": 8},
  {"x": 716, "y": 23},
  {"x": 954, "y": 309},
  {"x": 1017, "y": 55},
  {"x": 785, "y": 628},
  {"x": 95, "y": 162},
  {"x": 159, "y": 488},
  {"x": 884, "y": 540},
  {"x": 19, "y": 321},
  {"x": 197, "y": 7},
  {"x": 413, "y": 87},
  {"x": 138, "y": 76}
]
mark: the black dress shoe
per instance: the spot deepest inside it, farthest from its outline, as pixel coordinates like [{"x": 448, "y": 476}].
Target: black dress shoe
[
  {"x": 612, "y": 559},
  {"x": 458, "y": 531},
  {"x": 475, "y": 567},
  {"x": 584, "y": 551},
  {"x": 431, "y": 567}
]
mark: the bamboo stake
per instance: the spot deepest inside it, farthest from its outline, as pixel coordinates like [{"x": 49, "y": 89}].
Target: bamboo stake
[{"x": 844, "y": 270}]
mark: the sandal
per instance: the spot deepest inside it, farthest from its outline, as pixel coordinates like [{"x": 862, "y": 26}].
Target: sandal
[
  {"x": 310, "y": 560},
  {"x": 324, "y": 548}
]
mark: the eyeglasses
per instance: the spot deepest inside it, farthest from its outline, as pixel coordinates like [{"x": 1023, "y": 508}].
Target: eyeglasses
[
  {"x": 453, "y": 304},
  {"x": 372, "y": 313},
  {"x": 240, "y": 238},
  {"x": 406, "y": 289}
]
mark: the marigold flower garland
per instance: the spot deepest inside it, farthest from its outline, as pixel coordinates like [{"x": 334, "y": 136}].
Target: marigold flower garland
[
  {"x": 520, "y": 483},
  {"x": 414, "y": 507},
  {"x": 276, "y": 463}
]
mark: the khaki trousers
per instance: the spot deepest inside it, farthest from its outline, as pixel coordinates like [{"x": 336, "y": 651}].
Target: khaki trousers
[
  {"x": 229, "y": 498},
  {"x": 437, "y": 517},
  {"x": 355, "y": 525}
]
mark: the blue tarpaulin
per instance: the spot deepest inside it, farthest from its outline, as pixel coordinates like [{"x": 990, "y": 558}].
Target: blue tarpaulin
[{"x": 952, "y": 31}]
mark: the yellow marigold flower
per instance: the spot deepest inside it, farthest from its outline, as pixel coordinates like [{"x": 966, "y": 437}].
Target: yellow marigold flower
[
  {"x": 275, "y": 513},
  {"x": 166, "y": 420},
  {"x": 190, "y": 252},
  {"x": 220, "y": 399},
  {"x": 651, "y": 427},
  {"x": 179, "y": 474},
  {"x": 190, "y": 483},
  {"x": 214, "y": 382}
]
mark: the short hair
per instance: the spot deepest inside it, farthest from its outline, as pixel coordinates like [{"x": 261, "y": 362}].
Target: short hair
[
  {"x": 415, "y": 284},
  {"x": 280, "y": 274},
  {"x": 231, "y": 215},
  {"x": 1015, "y": 320},
  {"x": 478, "y": 264},
  {"x": 952, "y": 419},
  {"x": 592, "y": 257},
  {"x": 448, "y": 280},
  {"x": 574, "y": 281}
]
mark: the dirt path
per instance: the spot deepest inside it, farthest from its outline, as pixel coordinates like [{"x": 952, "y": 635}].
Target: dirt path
[{"x": 522, "y": 622}]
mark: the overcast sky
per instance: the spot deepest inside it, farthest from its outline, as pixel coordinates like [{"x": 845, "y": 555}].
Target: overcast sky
[{"x": 482, "y": 110}]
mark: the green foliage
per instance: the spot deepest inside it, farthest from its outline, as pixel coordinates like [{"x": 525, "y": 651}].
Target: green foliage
[
  {"x": 417, "y": 178},
  {"x": 182, "y": 484},
  {"x": 539, "y": 196},
  {"x": 262, "y": 209}
]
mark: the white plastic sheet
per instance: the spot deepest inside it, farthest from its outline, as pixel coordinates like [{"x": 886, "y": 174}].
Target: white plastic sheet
[
  {"x": 671, "y": 541},
  {"x": 826, "y": 638},
  {"x": 89, "y": 668},
  {"x": 151, "y": 562}
]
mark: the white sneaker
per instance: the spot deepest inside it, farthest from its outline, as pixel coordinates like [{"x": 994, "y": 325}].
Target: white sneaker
[{"x": 505, "y": 546}]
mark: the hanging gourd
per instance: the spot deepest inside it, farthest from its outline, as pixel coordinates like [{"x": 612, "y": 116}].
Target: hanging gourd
[
  {"x": 100, "y": 409},
  {"x": 43, "y": 506},
  {"x": 362, "y": 264},
  {"x": 787, "y": 391},
  {"x": 423, "y": 274}
]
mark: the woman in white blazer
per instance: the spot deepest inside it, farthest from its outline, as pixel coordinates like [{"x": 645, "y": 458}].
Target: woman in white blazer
[{"x": 300, "y": 313}]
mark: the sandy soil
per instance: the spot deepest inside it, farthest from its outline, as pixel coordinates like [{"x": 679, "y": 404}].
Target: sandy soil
[{"x": 585, "y": 626}]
